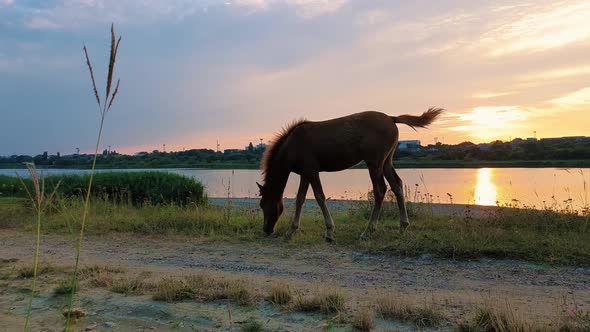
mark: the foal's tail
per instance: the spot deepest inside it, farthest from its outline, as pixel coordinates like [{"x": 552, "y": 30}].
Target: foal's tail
[{"x": 419, "y": 121}]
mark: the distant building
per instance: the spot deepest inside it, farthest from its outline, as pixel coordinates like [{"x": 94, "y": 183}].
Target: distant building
[
  {"x": 531, "y": 139},
  {"x": 231, "y": 151},
  {"x": 259, "y": 146},
  {"x": 409, "y": 145}
]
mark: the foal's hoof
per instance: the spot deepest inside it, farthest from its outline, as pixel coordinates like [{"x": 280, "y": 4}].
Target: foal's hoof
[
  {"x": 365, "y": 236},
  {"x": 289, "y": 234},
  {"x": 329, "y": 236},
  {"x": 403, "y": 227}
]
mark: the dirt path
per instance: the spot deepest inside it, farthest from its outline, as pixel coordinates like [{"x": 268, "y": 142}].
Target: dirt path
[{"x": 457, "y": 285}]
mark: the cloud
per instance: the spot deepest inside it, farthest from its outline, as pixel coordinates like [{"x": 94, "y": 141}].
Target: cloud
[
  {"x": 43, "y": 23},
  {"x": 6, "y": 3},
  {"x": 574, "y": 99},
  {"x": 70, "y": 14},
  {"x": 487, "y": 95},
  {"x": 314, "y": 8},
  {"x": 487, "y": 29},
  {"x": 67, "y": 14},
  {"x": 564, "y": 72},
  {"x": 540, "y": 29},
  {"x": 304, "y": 8}
]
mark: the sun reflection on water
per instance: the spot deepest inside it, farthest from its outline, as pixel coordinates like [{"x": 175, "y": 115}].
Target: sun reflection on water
[{"x": 485, "y": 189}]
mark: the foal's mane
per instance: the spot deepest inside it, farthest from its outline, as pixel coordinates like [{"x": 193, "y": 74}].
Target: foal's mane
[{"x": 275, "y": 145}]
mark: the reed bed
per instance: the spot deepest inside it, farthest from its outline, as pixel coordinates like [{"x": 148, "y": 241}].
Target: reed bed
[{"x": 137, "y": 188}]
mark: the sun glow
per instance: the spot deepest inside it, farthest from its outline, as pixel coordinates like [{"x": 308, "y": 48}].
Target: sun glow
[
  {"x": 485, "y": 189},
  {"x": 491, "y": 121}
]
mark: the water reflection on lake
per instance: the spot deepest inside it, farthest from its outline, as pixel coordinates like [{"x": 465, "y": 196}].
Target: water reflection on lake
[
  {"x": 486, "y": 186},
  {"x": 485, "y": 189}
]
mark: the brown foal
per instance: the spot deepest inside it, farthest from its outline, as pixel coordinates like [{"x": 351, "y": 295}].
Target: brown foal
[{"x": 308, "y": 148}]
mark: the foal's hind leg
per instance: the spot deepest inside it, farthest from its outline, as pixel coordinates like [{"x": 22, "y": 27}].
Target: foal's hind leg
[
  {"x": 397, "y": 187},
  {"x": 316, "y": 185},
  {"x": 303, "y": 185},
  {"x": 379, "y": 189}
]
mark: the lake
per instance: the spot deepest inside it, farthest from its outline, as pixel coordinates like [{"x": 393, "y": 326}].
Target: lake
[{"x": 536, "y": 187}]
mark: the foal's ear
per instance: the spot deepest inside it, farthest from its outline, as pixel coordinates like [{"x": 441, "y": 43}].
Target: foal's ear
[{"x": 261, "y": 188}]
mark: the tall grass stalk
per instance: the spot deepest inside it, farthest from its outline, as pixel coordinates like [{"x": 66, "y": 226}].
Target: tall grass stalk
[
  {"x": 103, "y": 110},
  {"x": 39, "y": 203}
]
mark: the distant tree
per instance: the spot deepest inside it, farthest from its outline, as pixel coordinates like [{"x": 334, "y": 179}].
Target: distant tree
[{"x": 250, "y": 147}]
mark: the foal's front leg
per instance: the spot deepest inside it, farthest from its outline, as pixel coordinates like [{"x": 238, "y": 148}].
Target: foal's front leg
[
  {"x": 321, "y": 199},
  {"x": 379, "y": 189},
  {"x": 301, "y": 193}
]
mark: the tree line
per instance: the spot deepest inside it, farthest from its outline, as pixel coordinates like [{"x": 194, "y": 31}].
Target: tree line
[{"x": 574, "y": 148}]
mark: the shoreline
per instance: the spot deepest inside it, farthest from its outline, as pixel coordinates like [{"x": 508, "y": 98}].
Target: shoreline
[
  {"x": 400, "y": 164},
  {"x": 340, "y": 205}
]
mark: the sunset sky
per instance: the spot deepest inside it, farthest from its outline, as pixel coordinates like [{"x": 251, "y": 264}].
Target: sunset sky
[{"x": 193, "y": 72}]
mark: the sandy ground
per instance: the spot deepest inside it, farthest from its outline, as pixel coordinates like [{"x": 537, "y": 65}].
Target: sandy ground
[{"x": 456, "y": 286}]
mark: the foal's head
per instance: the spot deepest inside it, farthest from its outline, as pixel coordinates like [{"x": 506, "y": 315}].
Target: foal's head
[{"x": 272, "y": 207}]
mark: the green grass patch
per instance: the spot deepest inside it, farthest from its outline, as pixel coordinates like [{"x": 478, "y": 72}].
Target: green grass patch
[
  {"x": 252, "y": 325},
  {"x": 532, "y": 235}
]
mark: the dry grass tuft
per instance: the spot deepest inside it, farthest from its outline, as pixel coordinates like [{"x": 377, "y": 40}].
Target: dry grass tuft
[
  {"x": 326, "y": 301},
  {"x": 65, "y": 287},
  {"x": 571, "y": 317},
  {"x": 93, "y": 270},
  {"x": 173, "y": 290},
  {"x": 280, "y": 293},
  {"x": 363, "y": 319},
  {"x": 498, "y": 317},
  {"x": 576, "y": 322},
  {"x": 389, "y": 306},
  {"x": 100, "y": 275},
  {"x": 207, "y": 288},
  {"x": 74, "y": 312},
  {"x": 235, "y": 290},
  {"x": 306, "y": 303},
  {"x": 7, "y": 261},
  {"x": 331, "y": 301},
  {"x": 29, "y": 271},
  {"x": 135, "y": 285}
]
